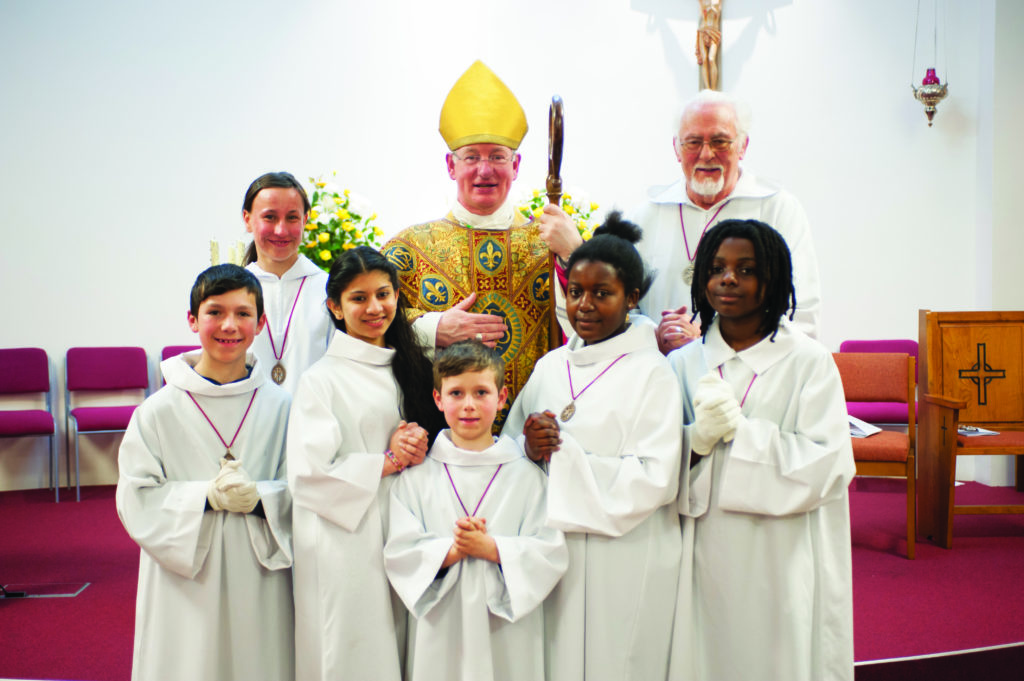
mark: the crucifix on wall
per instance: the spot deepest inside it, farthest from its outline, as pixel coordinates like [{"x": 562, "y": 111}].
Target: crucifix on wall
[{"x": 709, "y": 39}]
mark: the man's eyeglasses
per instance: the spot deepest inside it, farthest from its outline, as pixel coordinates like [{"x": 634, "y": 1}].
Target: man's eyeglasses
[
  {"x": 496, "y": 160},
  {"x": 716, "y": 144}
]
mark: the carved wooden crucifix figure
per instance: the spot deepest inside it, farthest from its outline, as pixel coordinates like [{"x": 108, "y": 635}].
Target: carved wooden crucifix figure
[{"x": 709, "y": 40}]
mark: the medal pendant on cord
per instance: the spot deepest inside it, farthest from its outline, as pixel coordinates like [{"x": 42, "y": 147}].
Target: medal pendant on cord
[
  {"x": 570, "y": 409},
  {"x": 227, "y": 445},
  {"x": 278, "y": 373},
  {"x": 688, "y": 274},
  {"x": 689, "y": 269}
]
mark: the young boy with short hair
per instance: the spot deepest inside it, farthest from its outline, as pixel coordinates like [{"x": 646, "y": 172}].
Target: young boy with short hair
[
  {"x": 202, "y": 490},
  {"x": 467, "y": 549}
]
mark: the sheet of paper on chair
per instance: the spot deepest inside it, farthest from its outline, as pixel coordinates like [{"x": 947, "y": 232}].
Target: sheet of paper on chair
[
  {"x": 971, "y": 431},
  {"x": 860, "y": 428}
]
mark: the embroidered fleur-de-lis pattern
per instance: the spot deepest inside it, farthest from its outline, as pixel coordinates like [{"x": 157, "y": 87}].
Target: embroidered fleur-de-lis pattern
[
  {"x": 435, "y": 292},
  {"x": 440, "y": 263},
  {"x": 490, "y": 256}
]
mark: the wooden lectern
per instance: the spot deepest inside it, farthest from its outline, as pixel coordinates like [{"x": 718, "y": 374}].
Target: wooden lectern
[{"x": 972, "y": 373}]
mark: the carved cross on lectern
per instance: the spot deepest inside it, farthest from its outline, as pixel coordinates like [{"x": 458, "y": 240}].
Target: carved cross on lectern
[{"x": 981, "y": 374}]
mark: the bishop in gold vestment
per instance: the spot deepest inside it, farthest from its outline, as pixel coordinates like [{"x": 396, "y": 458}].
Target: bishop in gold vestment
[{"x": 484, "y": 247}]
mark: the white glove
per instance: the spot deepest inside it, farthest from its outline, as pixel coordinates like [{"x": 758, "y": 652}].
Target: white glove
[
  {"x": 711, "y": 388},
  {"x": 716, "y": 414},
  {"x": 731, "y": 413},
  {"x": 233, "y": 490},
  {"x": 218, "y": 500},
  {"x": 242, "y": 498}
]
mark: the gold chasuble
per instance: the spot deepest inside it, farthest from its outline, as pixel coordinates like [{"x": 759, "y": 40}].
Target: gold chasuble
[{"x": 440, "y": 263}]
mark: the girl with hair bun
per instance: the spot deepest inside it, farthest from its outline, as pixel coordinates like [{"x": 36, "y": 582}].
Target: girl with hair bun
[{"x": 603, "y": 416}]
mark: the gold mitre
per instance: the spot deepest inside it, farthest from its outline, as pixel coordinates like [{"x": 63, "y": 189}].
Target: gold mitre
[{"x": 480, "y": 109}]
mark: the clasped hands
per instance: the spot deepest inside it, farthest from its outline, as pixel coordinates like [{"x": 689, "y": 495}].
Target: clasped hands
[
  {"x": 676, "y": 330},
  {"x": 542, "y": 435},
  {"x": 472, "y": 541},
  {"x": 716, "y": 414},
  {"x": 408, "y": 446},
  {"x": 232, "y": 490}
]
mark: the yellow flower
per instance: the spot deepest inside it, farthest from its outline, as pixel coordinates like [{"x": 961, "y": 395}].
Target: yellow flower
[
  {"x": 313, "y": 214},
  {"x": 538, "y": 212},
  {"x": 372, "y": 218},
  {"x": 582, "y": 224},
  {"x": 346, "y": 192},
  {"x": 536, "y": 193},
  {"x": 323, "y": 237},
  {"x": 325, "y": 255},
  {"x": 347, "y": 226},
  {"x": 587, "y": 234},
  {"x": 311, "y": 244},
  {"x": 566, "y": 198},
  {"x": 310, "y": 226},
  {"x": 593, "y": 206},
  {"x": 348, "y": 247},
  {"x": 569, "y": 209},
  {"x": 377, "y": 231},
  {"x": 338, "y": 201},
  {"x": 358, "y": 234},
  {"x": 343, "y": 214},
  {"x": 320, "y": 184}
]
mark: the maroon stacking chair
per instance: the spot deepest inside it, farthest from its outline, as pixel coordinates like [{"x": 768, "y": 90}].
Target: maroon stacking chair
[
  {"x": 95, "y": 370},
  {"x": 881, "y": 412},
  {"x": 169, "y": 351},
  {"x": 24, "y": 372}
]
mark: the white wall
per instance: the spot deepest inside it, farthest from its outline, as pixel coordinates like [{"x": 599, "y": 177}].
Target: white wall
[{"x": 129, "y": 131}]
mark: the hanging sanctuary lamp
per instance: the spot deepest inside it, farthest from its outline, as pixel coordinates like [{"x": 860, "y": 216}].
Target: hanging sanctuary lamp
[{"x": 932, "y": 90}]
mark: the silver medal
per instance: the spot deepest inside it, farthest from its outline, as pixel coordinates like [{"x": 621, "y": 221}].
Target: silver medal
[{"x": 688, "y": 274}]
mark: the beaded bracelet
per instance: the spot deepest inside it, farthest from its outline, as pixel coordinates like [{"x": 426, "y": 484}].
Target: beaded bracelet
[{"x": 394, "y": 460}]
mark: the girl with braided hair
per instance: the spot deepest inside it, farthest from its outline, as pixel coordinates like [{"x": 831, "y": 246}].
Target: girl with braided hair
[{"x": 765, "y": 587}]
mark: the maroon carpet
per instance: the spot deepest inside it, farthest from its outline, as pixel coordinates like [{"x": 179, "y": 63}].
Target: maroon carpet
[
  {"x": 88, "y": 637},
  {"x": 969, "y": 597}
]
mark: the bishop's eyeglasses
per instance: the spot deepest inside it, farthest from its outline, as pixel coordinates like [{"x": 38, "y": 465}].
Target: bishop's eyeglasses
[{"x": 497, "y": 159}]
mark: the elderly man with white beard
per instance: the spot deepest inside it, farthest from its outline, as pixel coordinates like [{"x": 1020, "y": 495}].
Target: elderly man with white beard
[{"x": 711, "y": 141}]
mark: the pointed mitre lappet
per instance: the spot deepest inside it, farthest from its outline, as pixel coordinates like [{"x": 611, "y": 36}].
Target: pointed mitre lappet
[{"x": 480, "y": 109}]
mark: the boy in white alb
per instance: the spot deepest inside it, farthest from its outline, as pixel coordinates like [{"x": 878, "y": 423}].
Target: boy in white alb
[
  {"x": 468, "y": 550},
  {"x": 202, "y": 490}
]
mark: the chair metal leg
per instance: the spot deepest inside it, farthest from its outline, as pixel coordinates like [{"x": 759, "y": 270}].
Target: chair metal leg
[
  {"x": 78, "y": 482},
  {"x": 67, "y": 450},
  {"x": 54, "y": 468}
]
